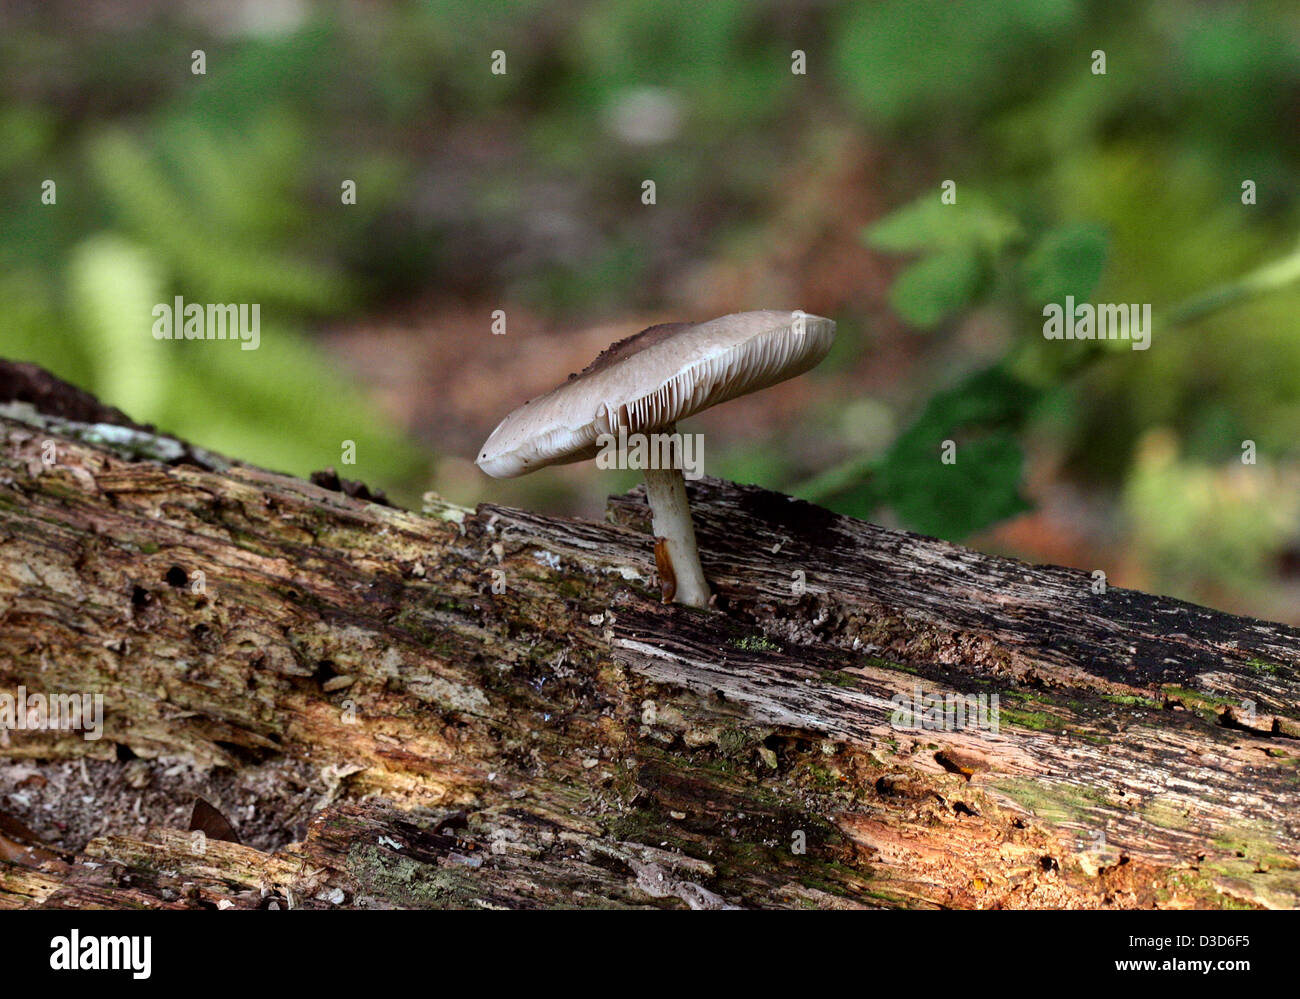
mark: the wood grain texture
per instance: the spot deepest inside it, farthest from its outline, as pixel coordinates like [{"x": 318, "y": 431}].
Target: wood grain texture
[{"x": 493, "y": 708}]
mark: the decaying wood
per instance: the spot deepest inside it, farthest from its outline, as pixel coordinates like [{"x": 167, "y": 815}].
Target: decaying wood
[{"x": 493, "y": 708}]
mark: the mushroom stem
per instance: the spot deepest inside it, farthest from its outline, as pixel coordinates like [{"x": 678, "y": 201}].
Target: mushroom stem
[{"x": 665, "y": 489}]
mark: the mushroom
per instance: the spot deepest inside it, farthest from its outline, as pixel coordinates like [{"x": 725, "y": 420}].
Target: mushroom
[{"x": 644, "y": 385}]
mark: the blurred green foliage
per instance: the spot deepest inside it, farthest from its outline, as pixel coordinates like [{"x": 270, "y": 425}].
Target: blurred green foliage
[
  {"x": 1124, "y": 187},
  {"x": 217, "y": 191}
]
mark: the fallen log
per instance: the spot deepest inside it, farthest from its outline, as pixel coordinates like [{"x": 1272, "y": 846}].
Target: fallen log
[{"x": 491, "y": 707}]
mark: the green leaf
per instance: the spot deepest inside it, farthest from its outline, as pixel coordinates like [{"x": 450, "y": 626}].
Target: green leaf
[
  {"x": 935, "y": 287},
  {"x": 953, "y": 501},
  {"x": 928, "y": 224},
  {"x": 1066, "y": 261},
  {"x": 990, "y": 397},
  {"x": 982, "y": 487}
]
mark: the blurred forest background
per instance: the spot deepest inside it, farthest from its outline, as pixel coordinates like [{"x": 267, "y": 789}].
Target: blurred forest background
[{"x": 523, "y": 192}]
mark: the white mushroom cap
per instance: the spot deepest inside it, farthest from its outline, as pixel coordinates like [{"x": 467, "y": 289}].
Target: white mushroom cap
[{"x": 653, "y": 379}]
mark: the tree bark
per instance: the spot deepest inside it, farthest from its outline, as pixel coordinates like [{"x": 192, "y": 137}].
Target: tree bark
[{"x": 492, "y": 708}]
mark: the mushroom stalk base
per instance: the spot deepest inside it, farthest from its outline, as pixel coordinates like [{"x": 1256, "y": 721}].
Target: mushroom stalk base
[{"x": 665, "y": 489}]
